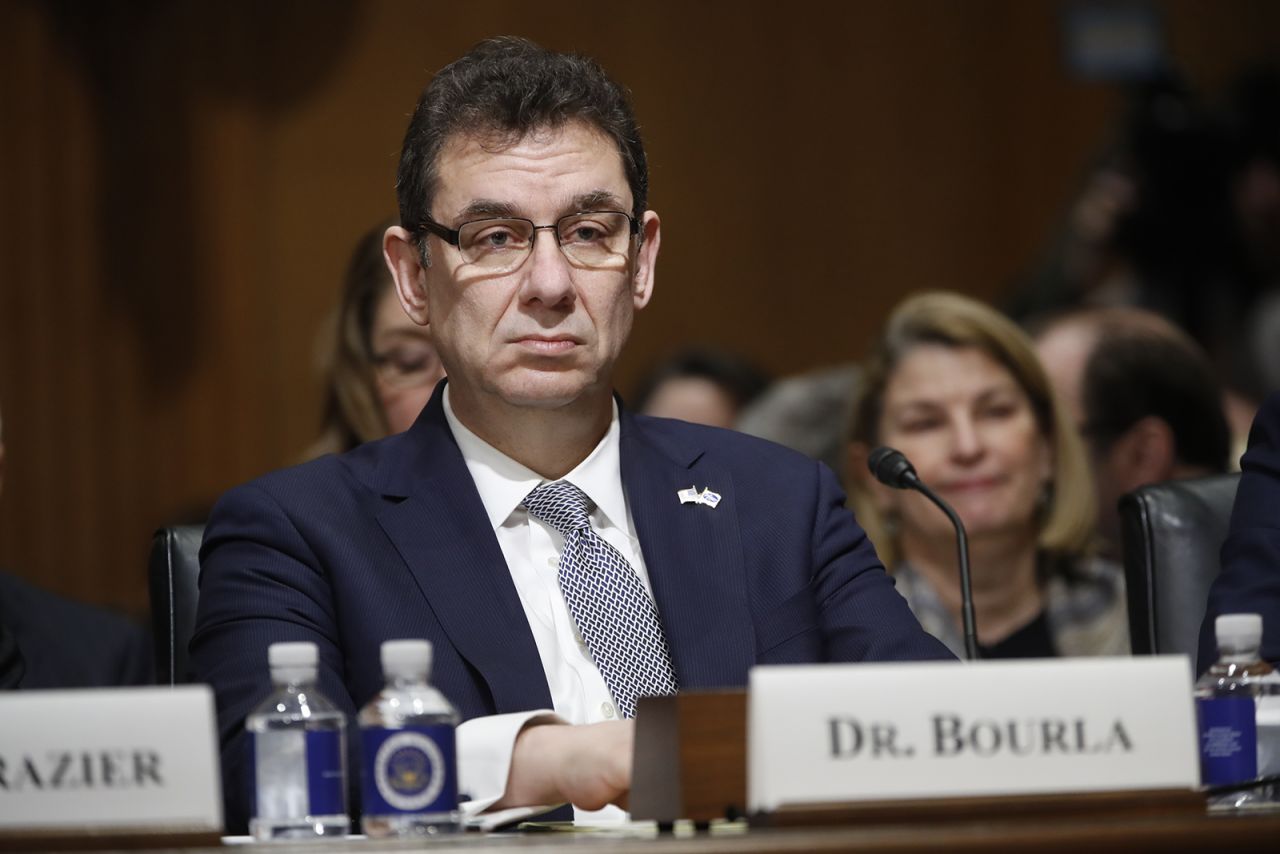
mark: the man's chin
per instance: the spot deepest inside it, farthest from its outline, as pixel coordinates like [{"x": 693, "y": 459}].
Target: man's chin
[{"x": 553, "y": 390}]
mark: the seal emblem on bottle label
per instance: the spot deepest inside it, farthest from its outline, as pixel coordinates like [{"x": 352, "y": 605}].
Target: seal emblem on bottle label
[{"x": 409, "y": 771}]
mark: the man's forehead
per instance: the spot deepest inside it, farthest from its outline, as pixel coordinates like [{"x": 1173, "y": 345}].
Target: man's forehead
[{"x": 574, "y": 166}]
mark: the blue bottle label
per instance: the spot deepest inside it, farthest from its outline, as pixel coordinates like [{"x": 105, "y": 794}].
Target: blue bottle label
[
  {"x": 287, "y": 765},
  {"x": 1228, "y": 740},
  {"x": 410, "y": 770},
  {"x": 326, "y": 786}
]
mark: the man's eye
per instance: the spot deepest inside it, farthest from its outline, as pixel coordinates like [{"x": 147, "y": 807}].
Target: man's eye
[
  {"x": 494, "y": 238},
  {"x": 585, "y": 231}
]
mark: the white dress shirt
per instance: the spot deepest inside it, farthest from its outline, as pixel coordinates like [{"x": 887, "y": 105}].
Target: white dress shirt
[{"x": 532, "y": 550}]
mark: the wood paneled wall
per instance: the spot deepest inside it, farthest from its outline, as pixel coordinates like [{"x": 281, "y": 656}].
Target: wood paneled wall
[{"x": 180, "y": 184}]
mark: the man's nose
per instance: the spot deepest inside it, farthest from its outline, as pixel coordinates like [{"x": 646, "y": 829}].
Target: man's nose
[{"x": 547, "y": 274}]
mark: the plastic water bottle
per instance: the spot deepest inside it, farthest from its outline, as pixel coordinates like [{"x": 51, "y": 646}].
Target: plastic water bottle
[
  {"x": 297, "y": 740},
  {"x": 410, "y": 763},
  {"x": 1227, "y": 707},
  {"x": 1269, "y": 727}
]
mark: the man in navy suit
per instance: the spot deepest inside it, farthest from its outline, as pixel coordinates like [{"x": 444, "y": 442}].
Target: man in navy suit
[
  {"x": 1250, "y": 578},
  {"x": 526, "y": 249}
]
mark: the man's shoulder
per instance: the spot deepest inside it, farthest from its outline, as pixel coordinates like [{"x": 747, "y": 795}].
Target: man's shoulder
[
  {"x": 685, "y": 438},
  {"x": 50, "y": 630},
  {"x": 765, "y": 476},
  {"x": 326, "y": 486},
  {"x": 364, "y": 466},
  {"x": 22, "y": 599}
]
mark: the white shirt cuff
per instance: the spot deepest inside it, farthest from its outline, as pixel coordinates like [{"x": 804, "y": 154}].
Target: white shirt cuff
[{"x": 485, "y": 745}]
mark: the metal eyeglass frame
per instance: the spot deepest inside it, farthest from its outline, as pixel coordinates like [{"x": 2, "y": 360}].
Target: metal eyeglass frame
[{"x": 452, "y": 235}]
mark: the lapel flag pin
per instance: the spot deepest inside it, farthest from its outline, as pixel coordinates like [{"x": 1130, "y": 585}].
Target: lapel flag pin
[{"x": 693, "y": 496}]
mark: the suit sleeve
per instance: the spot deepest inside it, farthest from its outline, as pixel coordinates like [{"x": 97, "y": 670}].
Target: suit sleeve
[
  {"x": 863, "y": 616},
  {"x": 1250, "y": 577},
  {"x": 259, "y": 584}
]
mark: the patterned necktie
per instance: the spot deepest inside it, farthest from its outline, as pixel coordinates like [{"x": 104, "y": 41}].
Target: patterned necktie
[{"x": 608, "y": 602}]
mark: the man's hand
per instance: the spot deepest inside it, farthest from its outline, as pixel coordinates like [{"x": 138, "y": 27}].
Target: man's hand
[{"x": 589, "y": 765}]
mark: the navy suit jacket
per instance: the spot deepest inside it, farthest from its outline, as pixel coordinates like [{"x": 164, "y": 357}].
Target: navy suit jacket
[
  {"x": 391, "y": 540},
  {"x": 1250, "y": 578},
  {"x": 55, "y": 642}
]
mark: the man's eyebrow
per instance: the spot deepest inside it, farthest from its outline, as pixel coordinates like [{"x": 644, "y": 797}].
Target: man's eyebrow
[
  {"x": 594, "y": 200},
  {"x": 598, "y": 200},
  {"x": 486, "y": 208}
]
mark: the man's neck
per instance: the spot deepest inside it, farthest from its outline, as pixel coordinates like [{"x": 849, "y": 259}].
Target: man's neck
[{"x": 551, "y": 442}]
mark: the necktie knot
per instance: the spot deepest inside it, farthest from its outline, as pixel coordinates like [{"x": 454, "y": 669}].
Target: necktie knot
[{"x": 561, "y": 505}]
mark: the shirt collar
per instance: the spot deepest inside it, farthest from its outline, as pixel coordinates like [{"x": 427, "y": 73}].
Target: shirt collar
[{"x": 503, "y": 483}]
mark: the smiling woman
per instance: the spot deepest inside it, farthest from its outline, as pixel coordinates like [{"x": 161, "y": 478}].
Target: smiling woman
[{"x": 957, "y": 387}]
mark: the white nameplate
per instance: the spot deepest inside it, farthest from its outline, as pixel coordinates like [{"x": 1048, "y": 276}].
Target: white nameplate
[
  {"x": 841, "y": 732},
  {"x": 126, "y": 758}
]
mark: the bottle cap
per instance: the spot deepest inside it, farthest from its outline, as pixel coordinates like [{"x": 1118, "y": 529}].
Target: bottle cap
[
  {"x": 1237, "y": 631},
  {"x": 293, "y": 654},
  {"x": 406, "y": 659},
  {"x": 293, "y": 661}
]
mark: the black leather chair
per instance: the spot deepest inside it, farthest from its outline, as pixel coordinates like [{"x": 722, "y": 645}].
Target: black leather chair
[
  {"x": 173, "y": 577},
  {"x": 1172, "y": 534}
]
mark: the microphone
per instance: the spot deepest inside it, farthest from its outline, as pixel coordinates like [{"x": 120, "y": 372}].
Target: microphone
[{"x": 892, "y": 468}]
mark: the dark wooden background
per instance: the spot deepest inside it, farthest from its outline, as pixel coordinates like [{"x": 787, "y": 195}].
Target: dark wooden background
[{"x": 180, "y": 184}]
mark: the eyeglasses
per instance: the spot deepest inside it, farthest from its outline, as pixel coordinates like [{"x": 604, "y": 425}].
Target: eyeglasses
[{"x": 592, "y": 239}]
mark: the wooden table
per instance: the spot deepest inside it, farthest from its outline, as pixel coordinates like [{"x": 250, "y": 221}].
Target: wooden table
[{"x": 1232, "y": 833}]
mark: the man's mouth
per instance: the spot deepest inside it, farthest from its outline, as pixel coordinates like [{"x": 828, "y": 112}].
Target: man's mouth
[{"x": 549, "y": 345}]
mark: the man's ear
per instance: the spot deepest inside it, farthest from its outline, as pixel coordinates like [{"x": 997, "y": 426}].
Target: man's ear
[
  {"x": 646, "y": 259},
  {"x": 405, "y": 263}
]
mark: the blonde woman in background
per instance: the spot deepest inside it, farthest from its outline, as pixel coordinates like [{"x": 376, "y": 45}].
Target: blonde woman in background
[
  {"x": 381, "y": 366},
  {"x": 957, "y": 387}
]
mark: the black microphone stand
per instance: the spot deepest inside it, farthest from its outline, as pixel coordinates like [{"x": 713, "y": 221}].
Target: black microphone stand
[{"x": 962, "y": 552}]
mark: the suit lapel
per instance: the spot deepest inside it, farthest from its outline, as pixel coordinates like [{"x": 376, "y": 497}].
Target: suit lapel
[
  {"x": 693, "y": 555},
  {"x": 436, "y": 520}
]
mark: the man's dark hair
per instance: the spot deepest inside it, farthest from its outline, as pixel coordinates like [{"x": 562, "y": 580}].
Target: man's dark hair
[
  {"x": 502, "y": 89},
  {"x": 1138, "y": 370}
]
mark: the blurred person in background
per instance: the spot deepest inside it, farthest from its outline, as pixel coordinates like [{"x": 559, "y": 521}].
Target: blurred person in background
[
  {"x": 47, "y": 641},
  {"x": 808, "y": 413},
  {"x": 1153, "y": 224},
  {"x": 1253, "y": 121},
  {"x": 1180, "y": 216},
  {"x": 957, "y": 388},
  {"x": 1145, "y": 398},
  {"x": 702, "y": 386},
  {"x": 381, "y": 366}
]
